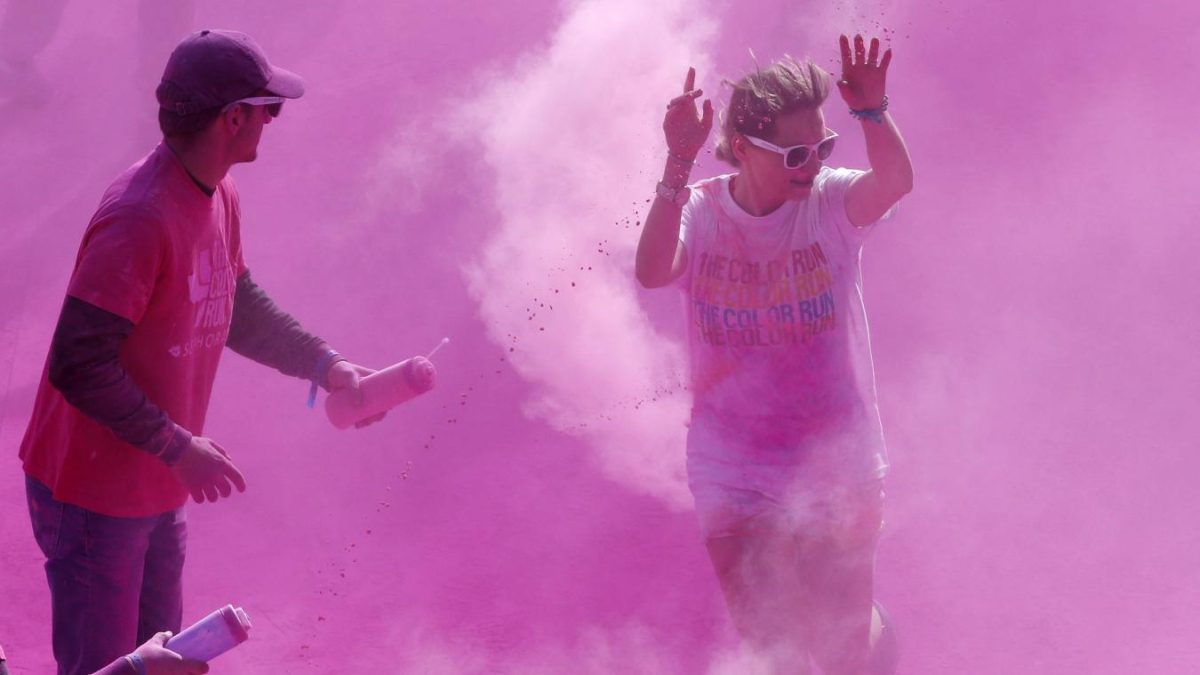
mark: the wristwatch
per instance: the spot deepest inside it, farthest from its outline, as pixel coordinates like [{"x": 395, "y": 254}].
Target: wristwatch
[{"x": 676, "y": 195}]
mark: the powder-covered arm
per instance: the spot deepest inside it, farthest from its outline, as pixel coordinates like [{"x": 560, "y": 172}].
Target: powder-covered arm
[
  {"x": 84, "y": 367},
  {"x": 263, "y": 332},
  {"x": 863, "y": 85},
  {"x": 661, "y": 256}
]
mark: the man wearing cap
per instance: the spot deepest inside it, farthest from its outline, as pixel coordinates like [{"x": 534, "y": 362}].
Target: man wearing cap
[{"x": 159, "y": 286}]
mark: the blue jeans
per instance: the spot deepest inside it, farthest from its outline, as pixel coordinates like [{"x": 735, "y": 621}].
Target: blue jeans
[{"x": 114, "y": 582}]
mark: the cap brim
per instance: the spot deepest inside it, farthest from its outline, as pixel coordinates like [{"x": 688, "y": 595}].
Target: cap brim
[{"x": 285, "y": 83}]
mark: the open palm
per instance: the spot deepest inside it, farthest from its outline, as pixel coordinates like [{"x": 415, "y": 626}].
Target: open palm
[{"x": 864, "y": 75}]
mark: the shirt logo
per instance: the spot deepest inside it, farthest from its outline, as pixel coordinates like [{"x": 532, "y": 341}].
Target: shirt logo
[
  {"x": 786, "y": 300},
  {"x": 210, "y": 291},
  {"x": 210, "y": 287}
]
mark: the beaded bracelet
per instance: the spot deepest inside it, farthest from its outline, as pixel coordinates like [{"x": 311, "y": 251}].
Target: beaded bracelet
[{"x": 873, "y": 114}]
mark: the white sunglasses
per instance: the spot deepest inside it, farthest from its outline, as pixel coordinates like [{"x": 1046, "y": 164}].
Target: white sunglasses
[
  {"x": 796, "y": 156},
  {"x": 274, "y": 103}
]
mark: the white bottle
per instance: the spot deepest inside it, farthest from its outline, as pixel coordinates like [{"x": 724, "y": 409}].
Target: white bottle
[
  {"x": 381, "y": 391},
  {"x": 213, "y": 635}
]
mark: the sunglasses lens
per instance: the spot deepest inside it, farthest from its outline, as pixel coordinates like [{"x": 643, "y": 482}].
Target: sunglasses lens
[
  {"x": 273, "y": 109},
  {"x": 796, "y": 158},
  {"x": 825, "y": 149}
]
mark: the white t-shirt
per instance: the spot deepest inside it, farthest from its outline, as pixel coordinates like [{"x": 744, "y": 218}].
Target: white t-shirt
[{"x": 781, "y": 365}]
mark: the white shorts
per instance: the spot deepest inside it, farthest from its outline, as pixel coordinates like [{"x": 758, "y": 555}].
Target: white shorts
[{"x": 734, "y": 492}]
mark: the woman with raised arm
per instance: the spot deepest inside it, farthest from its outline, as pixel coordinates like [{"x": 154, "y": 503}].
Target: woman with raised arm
[{"x": 785, "y": 449}]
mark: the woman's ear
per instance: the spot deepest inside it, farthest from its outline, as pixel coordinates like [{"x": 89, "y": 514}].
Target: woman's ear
[{"x": 737, "y": 147}]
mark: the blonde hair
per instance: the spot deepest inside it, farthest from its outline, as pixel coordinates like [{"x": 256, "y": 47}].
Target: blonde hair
[{"x": 758, "y": 99}]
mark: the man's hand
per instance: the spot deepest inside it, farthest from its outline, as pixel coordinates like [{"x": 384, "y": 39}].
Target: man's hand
[
  {"x": 346, "y": 375},
  {"x": 685, "y": 129},
  {"x": 206, "y": 470},
  {"x": 160, "y": 660},
  {"x": 864, "y": 76}
]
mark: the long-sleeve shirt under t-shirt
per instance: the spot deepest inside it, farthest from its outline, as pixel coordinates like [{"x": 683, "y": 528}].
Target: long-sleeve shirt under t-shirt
[{"x": 157, "y": 282}]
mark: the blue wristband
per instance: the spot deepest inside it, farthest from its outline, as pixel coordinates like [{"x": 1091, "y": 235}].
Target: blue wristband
[
  {"x": 135, "y": 660},
  {"x": 326, "y": 360},
  {"x": 873, "y": 114}
]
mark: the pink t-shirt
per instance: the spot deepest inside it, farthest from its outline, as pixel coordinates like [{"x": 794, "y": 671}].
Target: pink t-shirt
[
  {"x": 780, "y": 355},
  {"x": 164, "y": 255}
]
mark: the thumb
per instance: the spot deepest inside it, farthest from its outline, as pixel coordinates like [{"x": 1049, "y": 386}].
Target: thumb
[
  {"x": 353, "y": 384},
  {"x": 161, "y": 638},
  {"x": 706, "y": 120}
]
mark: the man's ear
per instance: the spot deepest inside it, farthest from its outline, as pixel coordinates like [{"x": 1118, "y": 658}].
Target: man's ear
[{"x": 234, "y": 118}]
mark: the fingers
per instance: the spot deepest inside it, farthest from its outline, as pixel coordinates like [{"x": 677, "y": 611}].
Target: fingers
[
  {"x": 862, "y": 56},
  {"x": 707, "y": 120},
  {"x": 218, "y": 487},
  {"x": 690, "y": 92},
  {"x": 346, "y": 375},
  {"x": 214, "y": 476},
  {"x": 227, "y": 470},
  {"x": 370, "y": 420},
  {"x": 232, "y": 473},
  {"x": 353, "y": 385},
  {"x": 687, "y": 96}
]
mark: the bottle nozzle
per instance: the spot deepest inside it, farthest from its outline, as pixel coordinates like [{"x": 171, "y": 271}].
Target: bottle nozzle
[{"x": 445, "y": 341}]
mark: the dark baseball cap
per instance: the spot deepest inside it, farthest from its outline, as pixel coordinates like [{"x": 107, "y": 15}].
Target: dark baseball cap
[{"x": 212, "y": 68}]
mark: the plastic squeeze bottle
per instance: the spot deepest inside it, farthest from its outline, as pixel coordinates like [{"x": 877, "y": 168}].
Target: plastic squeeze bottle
[
  {"x": 213, "y": 635},
  {"x": 382, "y": 390}
]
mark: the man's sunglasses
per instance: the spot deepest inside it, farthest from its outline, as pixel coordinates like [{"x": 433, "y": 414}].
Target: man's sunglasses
[
  {"x": 274, "y": 104},
  {"x": 796, "y": 156}
]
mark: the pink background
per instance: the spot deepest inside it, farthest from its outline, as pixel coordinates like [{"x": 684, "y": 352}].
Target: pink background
[{"x": 457, "y": 165}]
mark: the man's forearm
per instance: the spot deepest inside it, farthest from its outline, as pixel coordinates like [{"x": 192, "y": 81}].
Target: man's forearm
[
  {"x": 85, "y": 368},
  {"x": 263, "y": 332}
]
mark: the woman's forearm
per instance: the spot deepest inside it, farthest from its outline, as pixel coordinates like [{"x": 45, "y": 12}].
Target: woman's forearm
[{"x": 659, "y": 245}]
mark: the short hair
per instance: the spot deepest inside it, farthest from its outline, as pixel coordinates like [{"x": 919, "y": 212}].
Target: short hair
[
  {"x": 186, "y": 127},
  {"x": 181, "y": 120},
  {"x": 758, "y": 99}
]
